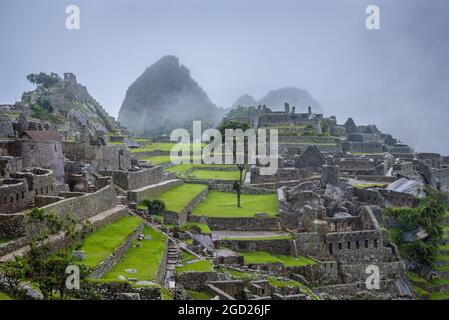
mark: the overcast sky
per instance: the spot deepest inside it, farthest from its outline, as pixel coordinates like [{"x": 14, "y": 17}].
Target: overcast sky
[{"x": 396, "y": 77}]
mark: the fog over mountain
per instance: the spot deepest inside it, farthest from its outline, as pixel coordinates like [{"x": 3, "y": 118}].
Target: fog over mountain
[
  {"x": 275, "y": 99},
  {"x": 164, "y": 98},
  {"x": 396, "y": 77}
]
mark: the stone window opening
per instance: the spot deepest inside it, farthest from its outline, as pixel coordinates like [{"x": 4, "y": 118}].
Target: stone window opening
[
  {"x": 331, "y": 251},
  {"x": 17, "y": 197},
  {"x": 23, "y": 195},
  {"x": 349, "y": 244},
  {"x": 366, "y": 244},
  {"x": 357, "y": 244},
  {"x": 12, "y": 199},
  {"x": 339, "y": 246},
  {"x": 36, "y": 191},
  {"x": 375, "y": 243},
  {"x": 42, "y": 190},
  {"x": 32, "y": 147},
  {"x": 56, "y": 149}
]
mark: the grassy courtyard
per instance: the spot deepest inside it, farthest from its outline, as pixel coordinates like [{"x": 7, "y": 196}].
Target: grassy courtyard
[
  {"x": 224, "y": 204},
  {"x": 260, "y": 257},
  {"x": 145, "y": 260},
  {"x": 100, "y": 244}
]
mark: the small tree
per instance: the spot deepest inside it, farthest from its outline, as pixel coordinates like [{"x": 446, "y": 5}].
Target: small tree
[
  {"x": 429, "y": 215},
  {"x": 13, "y": 272},
  {"x": 45, "y": 267},
  {"x": 154, "y": 207},
  {"x": 235, "y": 125}
]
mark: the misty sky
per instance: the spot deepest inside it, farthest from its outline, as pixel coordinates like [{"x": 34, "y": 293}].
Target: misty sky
[{"x": 397, "y": 77}]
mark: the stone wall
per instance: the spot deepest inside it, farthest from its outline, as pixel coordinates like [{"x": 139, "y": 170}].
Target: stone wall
[
  {"x": 365, "y": 147},
  {"x": 42, "y": 201},
  {"x": 12, "y": 226},
  {"x": 128, "y": 180},
  {"x": 442, "y": 174},
  {"x": 179, "y": 218},
  {"x": 161, "y": 270},
  {"x": 284, "y": 247},
  {"x": 106, "y": 265},
  {"x": 232, "y": 288},
  {"x": 117, "y": 291},
  {"x": 362, "y": 245},
  {"x": 282, "y": 174},
  {"x": 370, "y": 196},
  {"x": 196, "y": 281},
  {"x": 308, "y": 244},
  {"x": 387, "y": 290},
  {"x": 10, "y": 164},
  {"x": 243, "y": 189},
  {"x": 85, "y": 206},
  {"x": 42, "y": 181},
  {"x": 105, "y": 157},
  {"x": 399, "y": 199},
  {"x": 12, "y": 245},
  {"x": 239, "y": 224},
  {"x": 388, "y": 270},
  {"x": 152, "y": 191},
  {"x": 15, "y": 196},
  {"x": 43, "y": 154},
  {"x": 6, "y": 127}
]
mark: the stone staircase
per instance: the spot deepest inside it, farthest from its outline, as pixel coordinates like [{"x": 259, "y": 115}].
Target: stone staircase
[
  {"x": 172, "y": 261},
  {"x": 181, "y": 245}
]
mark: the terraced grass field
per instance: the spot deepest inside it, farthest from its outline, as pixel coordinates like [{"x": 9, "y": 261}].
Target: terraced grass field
[
  {"x": 215, "y": 175},
  {"x": 182, "y": 169},
  {"x": 100, "y": 244},
  {"x": 167, "y": 146},
  {"x": 202, "y": 227},
  {"x": 188, "y": 263},
  {"x": 260, "y": 257},
  {"x": 176, "y": 199},
  {"x": 145, "y": 260},
  {"x": 224, "y": 204},
  {"x": 157, "y": 160}
]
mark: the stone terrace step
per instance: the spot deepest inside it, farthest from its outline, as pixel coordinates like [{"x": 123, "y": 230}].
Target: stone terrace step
[
  {"x": 152, "y": 190},
  {"x": 108, "y": 216},
  {"x": 96, "y": 222},
  {"x": 181, "y": 245}
]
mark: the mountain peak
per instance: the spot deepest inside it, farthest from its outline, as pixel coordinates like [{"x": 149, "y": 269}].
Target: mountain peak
[{"x": 165, "y": 97}]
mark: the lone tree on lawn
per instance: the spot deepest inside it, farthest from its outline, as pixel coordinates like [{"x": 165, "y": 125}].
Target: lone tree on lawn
[{"x": 235, "y": 125}]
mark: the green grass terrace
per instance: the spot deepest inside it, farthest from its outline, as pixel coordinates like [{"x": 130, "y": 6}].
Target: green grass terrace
[
  {"x": 145, "y": 259},
  {"x": 260, "y": 257},
  {"x": 206, "y": 171},
  {"x": 191, "y": 263},
  {"x": 164, "y": 146},
  {"x": 224, "y": 205},
  {"x": 178, "y": 198},
  {"x": 100, "y": 244}
]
